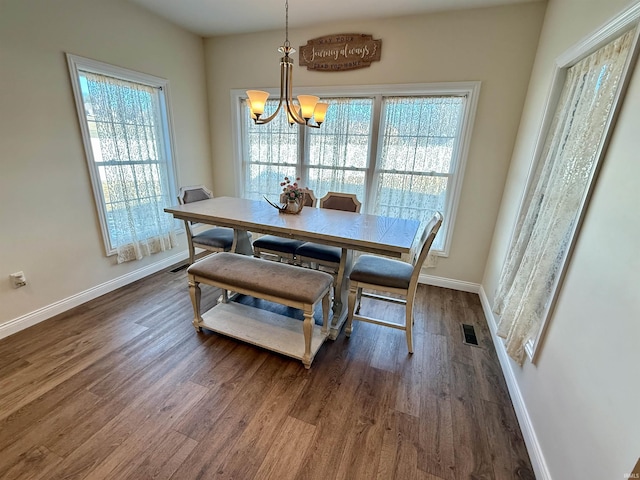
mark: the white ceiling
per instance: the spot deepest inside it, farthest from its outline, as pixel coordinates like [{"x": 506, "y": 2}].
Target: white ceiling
[{"x": 215, "y": 17}]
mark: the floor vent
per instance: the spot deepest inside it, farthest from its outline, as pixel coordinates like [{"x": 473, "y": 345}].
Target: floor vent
[
  {"x": 469, "y": 335},
  {"x": 179, "y": 268}
]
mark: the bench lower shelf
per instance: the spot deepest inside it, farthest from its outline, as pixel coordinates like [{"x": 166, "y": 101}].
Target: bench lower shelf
[{"x": 262, "y": 328}]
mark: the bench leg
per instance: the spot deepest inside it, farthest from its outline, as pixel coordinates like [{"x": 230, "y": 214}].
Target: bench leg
[
  {"x": 194, "y": 293},
  {"x": 307, "y": 328}
]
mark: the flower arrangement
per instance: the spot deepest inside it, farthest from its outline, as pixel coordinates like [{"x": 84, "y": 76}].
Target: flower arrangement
[
  {"x": 292, "y": 194},
  {"x": 292, "y": 191}
]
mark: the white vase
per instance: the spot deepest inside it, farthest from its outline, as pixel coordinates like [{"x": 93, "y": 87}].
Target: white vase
[{"x": 293, "y": 206}]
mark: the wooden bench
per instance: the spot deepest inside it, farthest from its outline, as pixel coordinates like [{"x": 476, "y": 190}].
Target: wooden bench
[{"x": 288, "y": 285}]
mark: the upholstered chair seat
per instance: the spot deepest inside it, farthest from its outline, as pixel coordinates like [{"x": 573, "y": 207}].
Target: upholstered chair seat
[
  {"x": 272, "y": 243},
  {"x": 216, "y": 237},
  {"x": 320, "y": 252},
  {"x": 384, "y": 272}
]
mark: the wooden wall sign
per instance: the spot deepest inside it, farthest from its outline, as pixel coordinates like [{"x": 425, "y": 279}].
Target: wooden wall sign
[{"x": 346, "y": 51}]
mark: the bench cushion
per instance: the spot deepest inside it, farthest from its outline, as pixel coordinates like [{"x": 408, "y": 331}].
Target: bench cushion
[{"x": 263, "y": 276}]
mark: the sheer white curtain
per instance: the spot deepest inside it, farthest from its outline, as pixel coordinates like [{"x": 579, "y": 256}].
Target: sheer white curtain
[
  {"x": 556, "y": 195},
  {"x": 339, "y": 151},
  {"x": 416, "y": 164},
  {"x": 270, "y": 153},
  {"x": 129, "y": 151}
]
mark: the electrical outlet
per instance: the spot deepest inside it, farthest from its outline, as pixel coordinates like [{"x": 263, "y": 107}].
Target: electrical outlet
[{"x": 18, "y": 279}]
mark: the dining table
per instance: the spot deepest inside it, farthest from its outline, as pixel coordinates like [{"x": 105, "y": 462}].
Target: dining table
[{"x": 361, "y": 232}]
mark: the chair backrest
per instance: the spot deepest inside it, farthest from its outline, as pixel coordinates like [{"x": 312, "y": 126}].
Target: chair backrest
[
  {"x": 194, "y": 193},
  {"x": 347, "y": 202},
  {"x": 310, "y": 199},
  {"x": 419, "y": 255}
]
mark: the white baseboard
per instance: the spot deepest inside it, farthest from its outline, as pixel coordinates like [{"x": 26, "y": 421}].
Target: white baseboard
[
  {"x": 526, "y": 426},
  {"x": 37, "y": 316},
  {"x": 449, "y": 283}
]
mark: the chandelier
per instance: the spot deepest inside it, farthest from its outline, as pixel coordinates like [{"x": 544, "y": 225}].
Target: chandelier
[{"x": 305, "y": 110}]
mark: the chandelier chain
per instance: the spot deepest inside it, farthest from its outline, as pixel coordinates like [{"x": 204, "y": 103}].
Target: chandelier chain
[{"x": 286, "y": 23}]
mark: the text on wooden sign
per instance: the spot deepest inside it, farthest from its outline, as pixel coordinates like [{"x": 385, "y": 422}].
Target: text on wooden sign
[{"x": 346, "y": 51}]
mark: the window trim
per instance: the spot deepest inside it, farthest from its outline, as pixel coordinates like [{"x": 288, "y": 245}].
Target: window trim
[
  {"x": 469, "y": 89},
  {"x": 76, "y": 64},
  {"x": 626, "y": 20}
]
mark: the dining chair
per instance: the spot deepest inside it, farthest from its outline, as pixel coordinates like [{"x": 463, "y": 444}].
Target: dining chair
[
  {"x": 315, "y": 254},
  {"x": 282, "y": 249},
  {"x": 216, "y": 239},
  {"x": 390, "y": 276}
]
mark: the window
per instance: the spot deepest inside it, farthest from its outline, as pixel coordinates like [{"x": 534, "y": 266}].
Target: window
[
  {"x": 125, "y": 127},
  {"x": 590, "y": 82},
  {"x": 400, "y": 149}
]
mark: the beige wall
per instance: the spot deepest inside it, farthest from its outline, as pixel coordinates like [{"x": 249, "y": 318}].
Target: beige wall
[
  {"x": 582, "y": 395},
  {"x": 495, "y": 46},
  {"x": 49, "y": 226}
]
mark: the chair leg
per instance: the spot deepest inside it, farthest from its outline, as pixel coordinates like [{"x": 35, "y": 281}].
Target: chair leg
[
  {"x": 359, "y": 300},
  {"x": 192, "y": 253},
  {"x": 351, "y": 303},
  {"x": 409, "y": 324}
]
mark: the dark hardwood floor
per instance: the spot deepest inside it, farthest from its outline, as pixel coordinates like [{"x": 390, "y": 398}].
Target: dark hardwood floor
[{"x": 123, "y": 387}]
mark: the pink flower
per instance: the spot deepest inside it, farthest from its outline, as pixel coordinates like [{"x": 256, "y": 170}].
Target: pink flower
[{"x": 293, "y": 190}]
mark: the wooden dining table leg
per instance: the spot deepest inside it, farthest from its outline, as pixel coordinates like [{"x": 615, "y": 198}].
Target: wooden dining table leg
[
  {"x": 341, "y": 293},
  {"x": 242, "y": 243}
]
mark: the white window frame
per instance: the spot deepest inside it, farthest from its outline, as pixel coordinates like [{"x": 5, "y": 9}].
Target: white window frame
[
  {"x": 76, "y": 64},
  {"x": 469, "y": 89}
]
